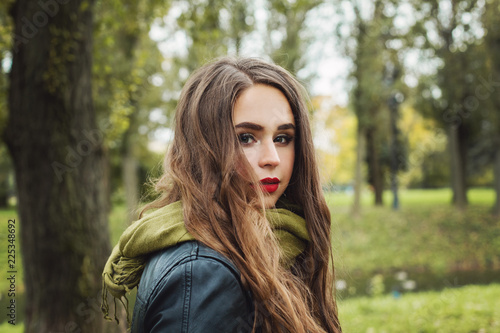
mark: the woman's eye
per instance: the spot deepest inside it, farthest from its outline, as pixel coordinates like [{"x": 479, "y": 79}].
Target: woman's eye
[
  {"x": 246, "y": 138},
  {"x": 283, "y": 139}
]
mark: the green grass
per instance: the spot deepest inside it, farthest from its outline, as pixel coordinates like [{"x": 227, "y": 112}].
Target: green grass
[
  {"x": 468, "y": 309},
  {"x": 436, "y": 238},
  {"x": 427, "y": 238},
  {"x": 5, "y": 327},
  {"x": 117, "y": 222},
  {"x": 5, "y": 216},
  {"x": 412, "y": 198}
]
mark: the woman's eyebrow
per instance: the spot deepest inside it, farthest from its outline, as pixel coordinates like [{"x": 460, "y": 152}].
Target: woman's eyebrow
[
  {"x": 257, "y": 127},
  {"x": 250, "y": 126},
  {"x": 286, "y": 126}
]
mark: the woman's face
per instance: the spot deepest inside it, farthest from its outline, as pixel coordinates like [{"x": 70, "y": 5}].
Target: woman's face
[{"x": 265, "y": 126}]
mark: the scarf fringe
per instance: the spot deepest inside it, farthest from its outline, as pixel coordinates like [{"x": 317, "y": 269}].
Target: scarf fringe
[
  {"x": 121, "y": 284},
  {"x": 105, "y": 306}
]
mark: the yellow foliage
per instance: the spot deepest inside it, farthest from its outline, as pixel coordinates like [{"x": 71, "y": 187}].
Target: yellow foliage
[
  {"x": 424, "y": 137},
  {"x": 334, "y": 130},
  {"x": 120, "y": 109},
  {"x": 84, "y": 6}
]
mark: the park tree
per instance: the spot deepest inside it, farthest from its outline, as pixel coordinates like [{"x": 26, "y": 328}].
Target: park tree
[
  {"x": 125, "y": 61},
  {"x": 334, "y": 128},
  {"x": 427, "y": 165},
  {"x": 202, "y": 24},
  {"x": 56, "y": 148},
  {"x": 287, "y": 19},
  {"x": 241, "y": 23},
  {"x": 367, "y": 97},
  {"x": 448, "y": 95},
  {"x": 210, "y": 29},
  {"x": 490, "y": 17},
  {"x": 5, "y": 175},
  {"x": 374, "y": 45},
  {"x": 5, "y": 56}
]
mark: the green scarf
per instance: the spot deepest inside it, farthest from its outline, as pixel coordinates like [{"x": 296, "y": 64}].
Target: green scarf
[{"x": 164, "y": 228}]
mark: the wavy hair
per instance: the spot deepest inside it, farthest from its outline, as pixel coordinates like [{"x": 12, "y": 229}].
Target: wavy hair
[{"x": 203, "y": 168}]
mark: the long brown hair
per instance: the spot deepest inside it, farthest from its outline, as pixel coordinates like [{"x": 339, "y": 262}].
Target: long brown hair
[{"x": 203, "y": 168}]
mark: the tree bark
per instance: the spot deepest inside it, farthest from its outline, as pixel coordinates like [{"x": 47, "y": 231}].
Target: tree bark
[
  {"x": 374, "y": 168},
  {"x": 5, "y": 174},
  {"x": 130, "y": 166},
  {"x": 4, "y": 189},
  {"x": 57, "y": 153},
  {"x": 496, "y": 172},
  {"x": 492, "y": 43},
  {"x": 130, "y": 170},
  {"x": 358, "y": 177},
  {"x": 457, "y": 160},
  {"x": 393, "y": 107}
]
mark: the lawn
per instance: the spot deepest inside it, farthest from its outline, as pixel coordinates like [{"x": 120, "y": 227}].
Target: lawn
[
  {"x": 437, "y": 238},
  {"x": 462, "y": 310},
  {"x": 5, "y": 216},
  {"x": 412, "y": 197},
  {"x": 427, "y": 239}
]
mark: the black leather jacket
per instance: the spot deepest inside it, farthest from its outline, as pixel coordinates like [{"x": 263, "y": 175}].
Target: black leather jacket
[{"x": 191, "y": 288}]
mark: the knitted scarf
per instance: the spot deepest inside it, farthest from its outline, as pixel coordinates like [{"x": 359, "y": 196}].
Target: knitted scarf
[{"x": 164, "y": 228}]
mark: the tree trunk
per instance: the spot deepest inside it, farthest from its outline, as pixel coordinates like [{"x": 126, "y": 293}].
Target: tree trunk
[
  {"x": 5, "y": 174},
  {"x": 358, "y": 177},
  {"x": 130, "y": 166},
  {"x": 457, "y": 159},
  {"x": 4, "y": 188},
  {"x": 393, "y": 107},
  {"x": 374, "y": 168},
  {"x": 496, "y": 172},
  {"x": 57, "y": 153},
  {"x": 130, "y": 178}
]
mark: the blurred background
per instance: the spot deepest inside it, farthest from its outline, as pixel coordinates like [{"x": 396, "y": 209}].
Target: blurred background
[{"x": 405, "y": 108}]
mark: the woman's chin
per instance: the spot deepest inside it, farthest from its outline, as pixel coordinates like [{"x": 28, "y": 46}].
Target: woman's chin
[{"x": 270, "y": 202}]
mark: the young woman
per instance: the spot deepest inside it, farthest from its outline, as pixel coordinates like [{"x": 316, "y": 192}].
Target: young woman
[{"x": 239, "y": 241}]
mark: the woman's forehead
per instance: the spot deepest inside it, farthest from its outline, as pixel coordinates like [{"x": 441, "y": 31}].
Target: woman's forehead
[{"x": 264, "y": 105}]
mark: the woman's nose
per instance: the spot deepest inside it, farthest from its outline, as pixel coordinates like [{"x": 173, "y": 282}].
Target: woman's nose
[{"x": 269, "y": 155}]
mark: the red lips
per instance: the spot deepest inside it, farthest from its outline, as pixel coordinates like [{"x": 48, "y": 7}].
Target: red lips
[{"x": 269, "y": 185}]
